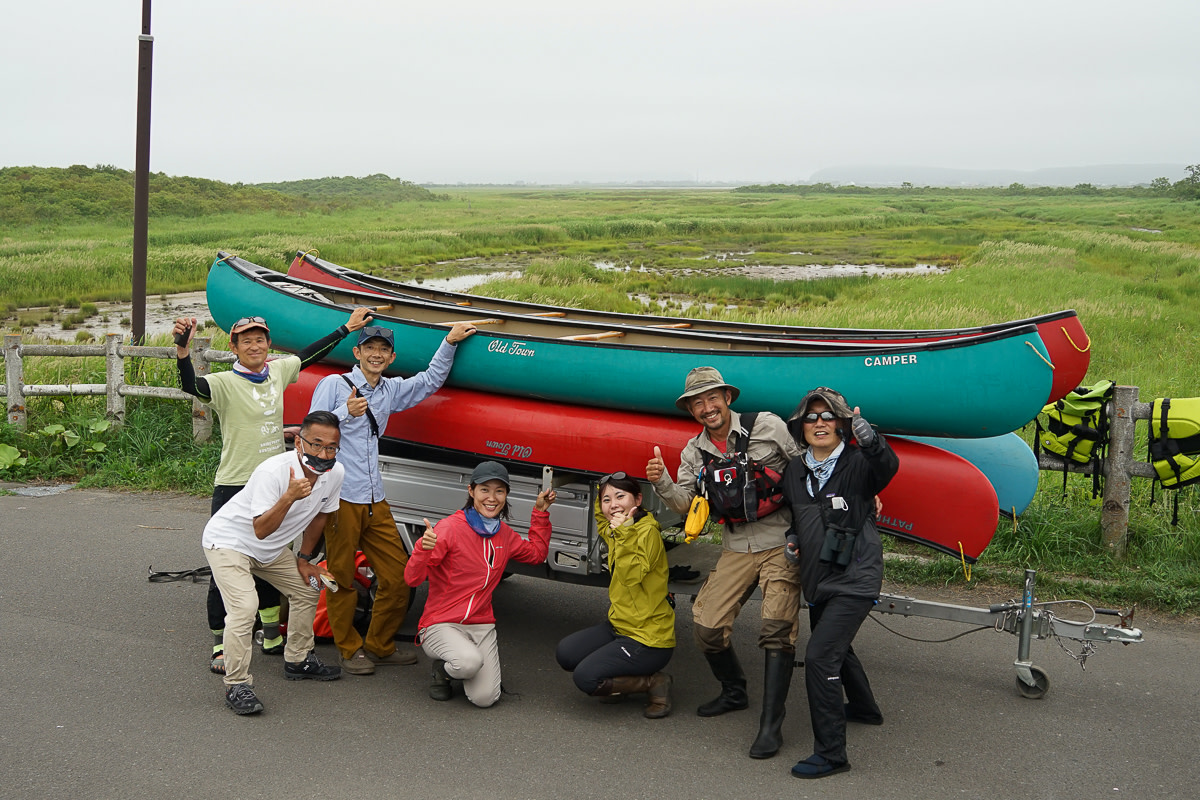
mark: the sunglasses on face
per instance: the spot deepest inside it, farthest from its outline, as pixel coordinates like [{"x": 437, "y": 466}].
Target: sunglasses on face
[
  {"x": 813, "y": 416},
  {"x": 618, "y": 476}
]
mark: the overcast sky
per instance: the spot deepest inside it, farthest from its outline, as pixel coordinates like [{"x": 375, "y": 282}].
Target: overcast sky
[{"x": 506, "y": 90}]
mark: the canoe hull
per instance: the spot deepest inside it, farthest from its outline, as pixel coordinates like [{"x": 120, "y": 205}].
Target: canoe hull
[
  {"x": 937, "y": 499},
  {"x": 974, "y": 387},
  {"x": 1006, "y": 461},
  {"x": 1067, "y": 344}
]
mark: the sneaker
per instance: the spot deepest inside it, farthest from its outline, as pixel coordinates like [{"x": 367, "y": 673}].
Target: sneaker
[
  {"x": 397, "y": 658},
  {"x": 440, "y": 689},
  {"x": 241, "y": 698},
  {"x": 359, "y": 664},
  {"x": 310, "y": 668}
]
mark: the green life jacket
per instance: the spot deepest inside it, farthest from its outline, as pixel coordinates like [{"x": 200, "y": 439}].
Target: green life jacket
[
  {"x": 1077, "y": 428},
  {"x": 1175, "y": 440}
]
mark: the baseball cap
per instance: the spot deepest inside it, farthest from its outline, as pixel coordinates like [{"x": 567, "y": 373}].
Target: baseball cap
[
  {"x": 489, "y": 471},
  {"x": 246, "y": 323},
  {"x": 377, "y": 332}
]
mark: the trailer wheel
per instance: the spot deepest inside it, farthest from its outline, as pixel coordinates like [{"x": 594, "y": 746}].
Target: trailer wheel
[{"x": 1041, "y": 684}]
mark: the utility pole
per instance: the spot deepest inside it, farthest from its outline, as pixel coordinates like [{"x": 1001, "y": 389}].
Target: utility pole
[{"x": 141, "y": 178}]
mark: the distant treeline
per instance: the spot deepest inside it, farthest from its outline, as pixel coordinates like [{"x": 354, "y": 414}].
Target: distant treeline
[
  {"x": 77, "y": 193},
  {"x": 1186, "y": 189}
]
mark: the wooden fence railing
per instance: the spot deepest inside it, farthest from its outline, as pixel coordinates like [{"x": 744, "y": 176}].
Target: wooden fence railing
[
  {"x": 114, "y": 388},
  {"x": 1118, "y": 468}
]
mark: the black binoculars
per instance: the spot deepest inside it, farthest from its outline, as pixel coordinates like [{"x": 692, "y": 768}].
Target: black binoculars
[{"x": 838, "y": 548}]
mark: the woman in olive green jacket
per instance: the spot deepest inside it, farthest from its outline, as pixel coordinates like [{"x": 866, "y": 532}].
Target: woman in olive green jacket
[{"x": 626, "y": 654}]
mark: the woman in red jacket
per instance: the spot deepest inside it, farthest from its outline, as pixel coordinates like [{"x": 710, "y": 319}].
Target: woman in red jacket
[{"x": 463, "y": 557}]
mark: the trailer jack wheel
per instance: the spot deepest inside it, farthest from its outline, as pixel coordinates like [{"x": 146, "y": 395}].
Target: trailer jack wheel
[{"x": 1041, "y": 684}]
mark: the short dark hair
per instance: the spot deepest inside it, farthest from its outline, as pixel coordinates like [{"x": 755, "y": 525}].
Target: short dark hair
[{"x": 327, "y": 418}]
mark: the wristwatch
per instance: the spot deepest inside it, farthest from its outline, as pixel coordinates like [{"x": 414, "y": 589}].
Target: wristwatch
[{"x": 309, "y": 557}]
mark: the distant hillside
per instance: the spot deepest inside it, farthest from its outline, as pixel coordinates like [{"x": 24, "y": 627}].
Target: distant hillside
[
  {"x": 377, "y": 188},
  {"x": 59, "y": 194},
  {"x": 62, "y": 194},
  {"x": 1096, "y": 175}
]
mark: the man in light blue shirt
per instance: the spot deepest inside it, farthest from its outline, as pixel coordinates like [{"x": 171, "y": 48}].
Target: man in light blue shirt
[{"x": 363, "y": 400}]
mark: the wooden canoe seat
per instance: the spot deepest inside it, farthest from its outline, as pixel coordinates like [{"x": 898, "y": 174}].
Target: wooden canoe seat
[
  {"x": 591, "y": 337},
  {"x": 548, "y": 314},
  {"x": 671, "y": 325}
]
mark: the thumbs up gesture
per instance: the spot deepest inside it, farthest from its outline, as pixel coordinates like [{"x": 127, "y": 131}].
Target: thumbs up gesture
[
  {"x": 357, "y": 406},
  {"x": 298, "y": 488},
  {"x": 655, "y": 467},
  {"x": 429, "y": 540}
]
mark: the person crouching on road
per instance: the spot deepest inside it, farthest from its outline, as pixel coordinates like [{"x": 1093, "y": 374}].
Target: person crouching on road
[
  {"x": 831, "y": 490},
  {"x": 464, "y": 557},
  {"x": 626, "y": 654},
  {"x": 288, "y": 495}
]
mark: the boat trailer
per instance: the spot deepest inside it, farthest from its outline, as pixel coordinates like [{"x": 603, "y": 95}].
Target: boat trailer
[{"x": 1029, "y": 620}]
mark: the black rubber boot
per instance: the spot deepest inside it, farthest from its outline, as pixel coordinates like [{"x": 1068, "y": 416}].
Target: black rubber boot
[
  {"x": 728, "y": 671},
  {"x": 777, "y": 679}
]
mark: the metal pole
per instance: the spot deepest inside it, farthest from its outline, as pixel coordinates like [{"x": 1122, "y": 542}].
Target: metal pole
[{"x": 141, "y": 178}]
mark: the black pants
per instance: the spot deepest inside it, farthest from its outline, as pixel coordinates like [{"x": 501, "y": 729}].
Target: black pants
[
  {"x": 830, "y": 666},
  {"x": 268, "y": 595},
  {"x": 596, "y": 653}
]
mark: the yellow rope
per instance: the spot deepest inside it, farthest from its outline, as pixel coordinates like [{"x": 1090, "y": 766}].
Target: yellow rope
[
  {"x": 963, "y": 557},
  {"x": 1039, "y": 354},
  {"x": 317, "y": 252},
  {"x": 1077, "y": 347}
]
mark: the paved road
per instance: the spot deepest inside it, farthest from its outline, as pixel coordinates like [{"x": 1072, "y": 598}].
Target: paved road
[{"x": 106, "y": 694}]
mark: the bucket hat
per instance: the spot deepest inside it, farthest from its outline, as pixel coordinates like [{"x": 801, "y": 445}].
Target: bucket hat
[{"x": 701, "y": 380}]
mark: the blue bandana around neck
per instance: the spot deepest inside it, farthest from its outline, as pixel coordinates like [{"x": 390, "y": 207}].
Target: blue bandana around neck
[
  {"x": 482, "y": 525},
  {"x": 821, "y": 470},
  {"x": 254, "y": 377}
]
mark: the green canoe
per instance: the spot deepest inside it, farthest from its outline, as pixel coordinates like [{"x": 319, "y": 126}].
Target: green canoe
[{"x": 974, "y": 386}]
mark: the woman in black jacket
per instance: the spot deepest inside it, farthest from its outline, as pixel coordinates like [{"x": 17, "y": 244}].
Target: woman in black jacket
[{"x": 831, "y": 489}]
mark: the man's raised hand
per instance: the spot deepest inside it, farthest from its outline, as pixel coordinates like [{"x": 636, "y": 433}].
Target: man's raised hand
[
  {"x": 357, "y": 406},
  {"x": 655, "y": 467},
  {"x": 359, "y": 318},
  {"x": 298, "y": 488}
]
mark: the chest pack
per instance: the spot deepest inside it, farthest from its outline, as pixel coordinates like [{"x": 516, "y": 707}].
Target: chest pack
[
  {"x": 738, "y": 488},
  {"x": 1077, "y": 428}
]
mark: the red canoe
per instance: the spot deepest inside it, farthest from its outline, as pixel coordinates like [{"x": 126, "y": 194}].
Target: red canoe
[
  {"x": 1062, "y": 333},
  {"x": 937, "y": 499}
]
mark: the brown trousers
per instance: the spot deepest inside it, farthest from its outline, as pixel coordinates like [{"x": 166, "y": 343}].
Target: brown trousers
[
  {"x": 371, "y": 529},
  {"x": 730, "y": 585}
]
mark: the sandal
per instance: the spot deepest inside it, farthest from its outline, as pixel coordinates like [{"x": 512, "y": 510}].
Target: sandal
[{"x": 217, "y": 664}]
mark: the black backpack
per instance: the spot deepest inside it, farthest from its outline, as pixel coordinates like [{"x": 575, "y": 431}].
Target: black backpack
[{"x": 738, "y": 488}]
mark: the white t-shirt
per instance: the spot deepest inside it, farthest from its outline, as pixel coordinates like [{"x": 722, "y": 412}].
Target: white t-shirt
[{"x": 232, "y": 527}]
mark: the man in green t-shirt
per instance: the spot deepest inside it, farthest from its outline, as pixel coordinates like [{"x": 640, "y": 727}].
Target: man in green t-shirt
[{"x": 249, "y": 403}]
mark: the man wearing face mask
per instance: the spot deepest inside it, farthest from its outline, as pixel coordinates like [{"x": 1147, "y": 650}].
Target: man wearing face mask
[
  {"x": 248, "y": 400},
  {"x": 362, "y": 400},
  {"x": 288, "y": 495}
]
